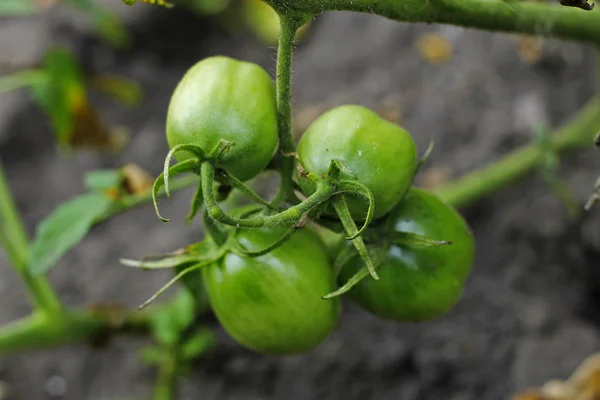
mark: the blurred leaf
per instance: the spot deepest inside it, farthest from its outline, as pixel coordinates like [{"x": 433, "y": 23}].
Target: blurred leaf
[
  {"x": 90, "y": 131},
  {"x": 13, "y": 8},
  {"x": 163, "y": 3},
  {"x": 124, "y": 90},
  {"x": 61, "y": 93},
  {"x": 22, "y": 79},
  {"x": 107, "y": 23},
  {"x": 153, "y": 355},
  {"x": 198, "y": 343},
  {"x": 102, "y": 180},
  {"x": 206, "y": 7},
  {"x": 136, "y": 180},
  {"x": 170, "y": 320},
  {"x": 64, "y": 228}
]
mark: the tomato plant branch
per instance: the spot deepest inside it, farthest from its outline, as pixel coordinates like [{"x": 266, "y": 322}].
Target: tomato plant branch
[
  {"x": 285, "y": 51},
  {"x": 13, "y": 239},
  {"x": 494, "y": 15},
  {"x": 40, "y": 330},
  {"x": 578, "y": 133}
]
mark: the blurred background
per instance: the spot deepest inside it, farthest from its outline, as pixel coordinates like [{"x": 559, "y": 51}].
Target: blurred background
[{"x": 530, "y": 310}]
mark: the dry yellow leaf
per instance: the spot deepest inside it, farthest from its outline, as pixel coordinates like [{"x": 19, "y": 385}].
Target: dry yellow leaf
[{"x": 136, "y": 180}]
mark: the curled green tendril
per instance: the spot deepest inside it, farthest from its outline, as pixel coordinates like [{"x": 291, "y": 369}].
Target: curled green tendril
[
  {"x": 192, "y": 148},
  {"x": 180, "y": 168}
]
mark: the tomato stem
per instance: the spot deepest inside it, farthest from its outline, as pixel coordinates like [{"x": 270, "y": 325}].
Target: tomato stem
[
  {"x": 164, "y": 388},
  {"x": 13, "y": 239},
  {"x": 42, "y": 330},
  {"x": 501, "y": 16},
  {"x": 287, "y": 217},
  {"x": 578, "y": 133},
  {"x": 285, "y": 52}
]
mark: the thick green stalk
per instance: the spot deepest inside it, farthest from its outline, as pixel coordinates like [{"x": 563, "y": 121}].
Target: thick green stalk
[
  {"x": 492, "y": 15},
  {"x": 41, "y": 330},
  {"x": 14, "y": 240},
  {"x": 578, "y": 133},
  {"x": 285, "y": 53}
]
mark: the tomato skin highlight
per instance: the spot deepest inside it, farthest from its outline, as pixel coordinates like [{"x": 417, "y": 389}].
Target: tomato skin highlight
[
  {"x": 377, "y": 153},
  {"x": 418, "y": 284},
  {"x": 223, "y": 98},
  {"x": 272, "y": 304}
]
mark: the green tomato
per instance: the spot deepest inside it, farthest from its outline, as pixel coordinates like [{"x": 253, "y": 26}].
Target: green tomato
[
  {"x": 222, "y": 98},
  {"x": 417, "y": 284},
  {"x": 272, "y": 304},
  {"x": 377, "y": 153}
]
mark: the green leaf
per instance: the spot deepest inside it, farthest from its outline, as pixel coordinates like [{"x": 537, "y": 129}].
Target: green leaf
[
  {"x": 206, "y": 7},
  {"x": 62, "y": 93},
  {"x": 64, "y": 228},
  {"x": 201, "y": 340},
  {"x": 170, "y": 320},
  {"x": 14, "y": 8},
  {"x": 103, "y": 179},
  {"x": 127, "y": 91},
  {"x": 153, "y": 355},
  {"x": 22, "y": 79}
]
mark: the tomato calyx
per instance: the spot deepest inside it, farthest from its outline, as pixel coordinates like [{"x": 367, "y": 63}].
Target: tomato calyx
[
  {"x": 379, "y": 241},
  {"x": 199, "y": 255},
  {"x": 195, "y": 165}
]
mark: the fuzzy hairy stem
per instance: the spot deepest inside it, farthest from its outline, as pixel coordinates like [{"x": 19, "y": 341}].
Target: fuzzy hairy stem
[
  {"x": 285, "y": 52},
  {"x": 493, "y": 15},
  {"x": 578, "y": 133},
  {"x": 14, "y": 240}
]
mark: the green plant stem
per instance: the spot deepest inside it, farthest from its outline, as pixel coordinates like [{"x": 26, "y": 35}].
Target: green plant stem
[
  {"x": 285, "y": 52},
  {"x": 493, "y": 15},
  {"x": 166, "y": 379},
  {"x": 578, "y": 133},
  {"x": 42, "y": 330},
  {"x": 14, "y": 240}
]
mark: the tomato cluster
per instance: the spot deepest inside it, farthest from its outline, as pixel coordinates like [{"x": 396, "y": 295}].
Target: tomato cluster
[{"x": 272, "y": 278}]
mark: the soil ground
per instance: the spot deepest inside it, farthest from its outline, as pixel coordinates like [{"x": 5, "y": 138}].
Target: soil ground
[{"x": 529, "y": 312}]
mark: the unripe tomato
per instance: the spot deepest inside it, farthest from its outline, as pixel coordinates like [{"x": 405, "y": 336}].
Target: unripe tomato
[
  {"x": 272, "y": 303},
  {"x": 222, "y": 98},
  {"x": 377, "y": 153},
  {"x": 417, "y": 283}
]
